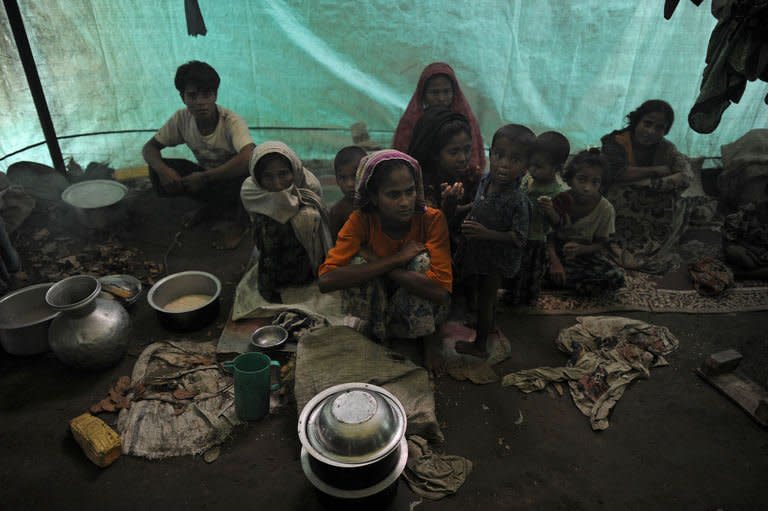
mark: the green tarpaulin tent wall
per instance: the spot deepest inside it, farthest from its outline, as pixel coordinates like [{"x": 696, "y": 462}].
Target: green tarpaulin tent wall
[{"x": 303, "y": 71}]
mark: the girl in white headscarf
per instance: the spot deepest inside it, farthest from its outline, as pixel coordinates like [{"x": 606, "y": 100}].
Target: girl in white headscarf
[{"x": 284, "y": 201}]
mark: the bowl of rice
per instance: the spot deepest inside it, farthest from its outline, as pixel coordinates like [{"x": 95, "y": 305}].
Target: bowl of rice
[{"x": 187, "y": 300}]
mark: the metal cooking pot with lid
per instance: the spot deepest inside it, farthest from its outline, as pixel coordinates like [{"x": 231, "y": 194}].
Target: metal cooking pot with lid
[
  {"x": 352, "y": 424},
  {"x": 97, "y": 202},
  {"x": 353, "y": 440}
]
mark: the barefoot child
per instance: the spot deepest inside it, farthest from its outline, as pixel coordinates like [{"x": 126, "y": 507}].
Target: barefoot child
[
  {"x": 497, "y": 228},
  {"x": 577, "y": 247},
  {"x": 345, "y": 166},
  {"x": 220, "y": 141},
  {"x": 391, "y": 258},
  {"x": 541, "y": 184},
  {"x": 290, "y": 222}
]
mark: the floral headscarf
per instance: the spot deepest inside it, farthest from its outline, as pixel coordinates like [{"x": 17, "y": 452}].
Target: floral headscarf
[{"x": 367, "y": 168}]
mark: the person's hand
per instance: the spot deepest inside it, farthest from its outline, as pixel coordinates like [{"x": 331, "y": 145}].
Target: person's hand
[
  {"x": 473, "y": 229},
  {"x": 455, "y": 190},
  {"x": 450, "y": 194},
  {"x": 572, "y": 249},
  {"x": 195, "y": 181},
  {"x": 544, "y": 204},
  {"x": 410, "y": 250},
  {"x": 367, "y": 254},
  {"x": 170, "y": 180},
  {"x": 557, "y": 273}
]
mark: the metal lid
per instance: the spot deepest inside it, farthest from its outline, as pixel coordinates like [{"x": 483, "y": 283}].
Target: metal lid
[
  {"x": 94, "y": 193},
  {"x": 352, "y": 424}
]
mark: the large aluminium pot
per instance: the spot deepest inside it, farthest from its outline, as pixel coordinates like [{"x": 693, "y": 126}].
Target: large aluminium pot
[
  {"x": 353, "y": 440},
  {"x": 91, "y": 332},
  {"x": 24, "y": 320},
  {"x": 98, "y": 203},
  {"x": 178, "y": 285}
]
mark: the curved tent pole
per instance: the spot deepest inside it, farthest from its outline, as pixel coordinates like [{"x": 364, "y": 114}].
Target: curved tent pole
[{"x": 33, "y": 79}]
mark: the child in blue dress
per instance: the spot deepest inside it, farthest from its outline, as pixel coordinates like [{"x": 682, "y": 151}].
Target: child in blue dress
[{"x": 497, "y": 228}]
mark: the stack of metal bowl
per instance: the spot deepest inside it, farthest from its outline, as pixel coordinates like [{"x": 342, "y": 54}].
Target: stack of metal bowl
[{"x": 353, "y": 440}]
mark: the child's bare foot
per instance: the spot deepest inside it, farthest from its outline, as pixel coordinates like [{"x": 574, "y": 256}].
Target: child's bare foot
[{"x": 470, "y": 348}]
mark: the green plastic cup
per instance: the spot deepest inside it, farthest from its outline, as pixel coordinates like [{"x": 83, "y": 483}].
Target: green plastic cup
[{"x": 252, "y": 384}]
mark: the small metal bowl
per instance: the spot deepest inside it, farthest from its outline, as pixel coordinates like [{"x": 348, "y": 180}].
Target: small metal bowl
[
  {"x": 123, "y": 288},
  {"x": 269, "y": 337}
]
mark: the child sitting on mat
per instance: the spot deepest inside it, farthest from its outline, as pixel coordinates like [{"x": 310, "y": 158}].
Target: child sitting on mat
[{"x": 577, "y": 247}]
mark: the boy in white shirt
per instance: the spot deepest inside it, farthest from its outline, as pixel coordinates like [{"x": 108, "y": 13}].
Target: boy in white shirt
[{"x": 219, "y": 139}]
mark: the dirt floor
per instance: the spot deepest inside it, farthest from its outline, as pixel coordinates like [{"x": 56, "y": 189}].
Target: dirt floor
[{"x": 673, "y": 443}]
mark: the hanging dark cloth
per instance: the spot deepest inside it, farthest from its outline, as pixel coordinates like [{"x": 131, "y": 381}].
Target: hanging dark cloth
[
  {"x": 737, "y": 52},
  {"x": 195, "y": 23}
]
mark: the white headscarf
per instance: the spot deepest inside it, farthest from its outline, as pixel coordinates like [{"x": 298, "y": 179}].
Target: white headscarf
[{"x": 301, "y": 203}]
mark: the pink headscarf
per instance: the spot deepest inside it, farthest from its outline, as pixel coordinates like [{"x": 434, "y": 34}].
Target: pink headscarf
[
  {"x": 415, "y": 109},
  {"x": 367, "y": 168}
]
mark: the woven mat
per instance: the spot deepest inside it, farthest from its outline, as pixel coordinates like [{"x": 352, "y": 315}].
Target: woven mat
[{"x": 642, "y": 294}]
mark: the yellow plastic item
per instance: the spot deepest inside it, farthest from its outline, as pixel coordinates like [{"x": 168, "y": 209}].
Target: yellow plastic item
[
  {"x": 100, "y": 443},
  {"x": 129, "y": 173}
]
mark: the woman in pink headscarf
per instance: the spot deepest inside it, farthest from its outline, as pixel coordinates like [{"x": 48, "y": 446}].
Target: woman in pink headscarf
[{"x": 438, "y": 86}]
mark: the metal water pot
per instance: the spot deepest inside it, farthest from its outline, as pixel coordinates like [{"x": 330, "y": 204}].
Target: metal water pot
[{"x": 91, "y": 332}]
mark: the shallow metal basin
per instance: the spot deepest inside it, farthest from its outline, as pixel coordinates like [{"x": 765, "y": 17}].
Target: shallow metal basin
[{"x": 24, "y": 320}]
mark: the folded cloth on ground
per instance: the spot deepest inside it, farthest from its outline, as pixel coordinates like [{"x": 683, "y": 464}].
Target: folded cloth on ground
[
  {"x": 321, "y": 307},
  {"x": 607, "y": 353},
  {"x": 335, "y": 355},
  {"x": 442, "y": 356},
  {"x": 432, "y": 475},
  {"x": 710, "y": 276},
  {"x": 186, "y": 407}
]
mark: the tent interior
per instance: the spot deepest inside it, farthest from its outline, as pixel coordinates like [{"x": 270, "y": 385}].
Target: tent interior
[
  {"x": 316, "y": 74},
  {"x": 305, "y": 71}
]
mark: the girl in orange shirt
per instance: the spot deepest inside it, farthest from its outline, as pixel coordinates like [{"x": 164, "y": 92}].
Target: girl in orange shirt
[{"x": 392, "y": 257}]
